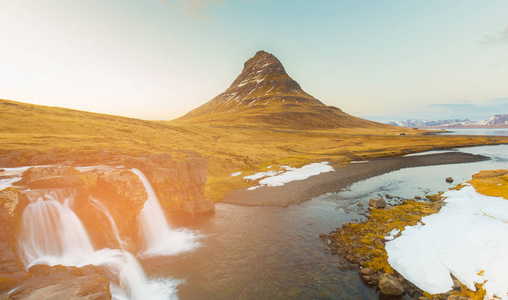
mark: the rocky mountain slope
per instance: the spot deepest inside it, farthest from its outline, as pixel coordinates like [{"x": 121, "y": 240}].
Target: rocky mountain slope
[{"x": 264, "y": 95}]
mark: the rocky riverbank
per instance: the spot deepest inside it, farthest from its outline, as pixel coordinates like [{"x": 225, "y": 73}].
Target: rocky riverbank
[
  {"x": 303, "y": 190},
  {"x": 363, "y": 244}
]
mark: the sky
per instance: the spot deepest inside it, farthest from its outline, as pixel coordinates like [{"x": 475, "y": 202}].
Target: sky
[{"x": 158, "y": 59}]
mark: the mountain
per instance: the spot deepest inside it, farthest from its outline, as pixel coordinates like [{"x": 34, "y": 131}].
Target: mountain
[
  {"x": 425, "y": 123},
  {"x": 264, "y": 95},
  {"x": 495, "y": 121}
]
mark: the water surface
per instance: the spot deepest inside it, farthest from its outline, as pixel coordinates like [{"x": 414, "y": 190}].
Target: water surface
[{"x": 275, "y": 253}]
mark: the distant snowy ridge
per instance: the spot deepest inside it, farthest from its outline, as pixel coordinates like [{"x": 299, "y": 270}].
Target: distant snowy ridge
[
  {"x": 426, "y": 123},
  {"x": 500, "y": 120}
]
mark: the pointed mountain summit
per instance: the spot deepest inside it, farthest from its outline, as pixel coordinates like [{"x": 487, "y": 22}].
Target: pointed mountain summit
[{"x": 264, "y": 95}]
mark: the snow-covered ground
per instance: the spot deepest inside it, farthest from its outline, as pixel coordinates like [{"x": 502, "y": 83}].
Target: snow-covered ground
[
  {"x": 467, "y": 238},
  {"x": 279, "y": 178}
]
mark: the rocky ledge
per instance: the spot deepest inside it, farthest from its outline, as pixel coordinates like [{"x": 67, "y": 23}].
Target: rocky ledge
[{"x": 178, "y": 182}]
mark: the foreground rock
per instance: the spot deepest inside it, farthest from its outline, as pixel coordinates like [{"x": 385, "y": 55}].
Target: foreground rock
[
  {"x": 390, "y": 286},
  {"x": 377, "y": 203},
  {"x": 59, "y": 282}
]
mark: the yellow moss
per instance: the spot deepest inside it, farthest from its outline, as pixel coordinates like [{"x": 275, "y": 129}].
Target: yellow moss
[{"x": 491, "y": 183}]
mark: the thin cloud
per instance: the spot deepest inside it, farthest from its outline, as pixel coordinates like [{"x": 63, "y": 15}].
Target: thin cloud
[
  {"x": 500, "y": 38},
  {"x": 469, "y": 109},
  {"x": 196, "y": 9}
]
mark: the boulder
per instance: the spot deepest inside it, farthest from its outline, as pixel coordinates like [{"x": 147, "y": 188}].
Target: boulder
[
  {"x": 390, "y": 286},
  {"x": 377, "y": 202},
  {"x": 123, "y": 186},
  {"x": 449, "y": 179}
]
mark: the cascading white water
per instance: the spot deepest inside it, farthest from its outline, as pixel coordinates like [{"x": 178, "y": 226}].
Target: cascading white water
[
  {"x": 51, "y": 233},
  {"x": 157, "y": 238},
  {"x": 99, "y": 206}
]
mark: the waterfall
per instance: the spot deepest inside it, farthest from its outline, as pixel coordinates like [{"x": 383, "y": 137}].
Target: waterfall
[
  {"x": 156, "y": 236},
  {"x": 99, "y": 206},
  {"x": 51, "y": 233}
]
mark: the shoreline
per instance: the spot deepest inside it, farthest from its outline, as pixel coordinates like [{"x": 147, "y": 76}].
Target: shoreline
[{"x": 297, "y": 192}]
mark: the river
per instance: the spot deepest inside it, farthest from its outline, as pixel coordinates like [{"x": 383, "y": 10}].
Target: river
[{"x": 275, "y": 253}]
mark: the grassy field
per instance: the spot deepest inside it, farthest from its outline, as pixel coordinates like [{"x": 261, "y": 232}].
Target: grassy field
[{"x": 34, "y": 128}]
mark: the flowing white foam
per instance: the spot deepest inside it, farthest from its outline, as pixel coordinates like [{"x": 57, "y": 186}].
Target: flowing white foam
[{"x": 156, "y": 237}]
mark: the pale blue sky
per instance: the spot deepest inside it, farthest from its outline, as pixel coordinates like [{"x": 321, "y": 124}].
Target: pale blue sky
[{"x": 158, "y": 59}]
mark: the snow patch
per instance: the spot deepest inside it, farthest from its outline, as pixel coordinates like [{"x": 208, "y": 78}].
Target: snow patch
[
  {"x": 279, "y": 178},
  {"x": 469, "y": 235},
  {"x": 235, "y": 174}
]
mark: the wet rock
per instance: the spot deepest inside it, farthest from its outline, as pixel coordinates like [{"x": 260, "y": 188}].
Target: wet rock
[
  {"x": 377, "y": 202},
  {"x": 424, "y": 298},
  {"x": 59, "y": 282},
  {"x": 123, "y": 186},
  {"x": 390, "y": 286},
  {"x": 449, "y": 179},
  {"x": 50, "y": 177},
  {"x": 322, "y": 235},
  {"x": 418, "y": 197}
]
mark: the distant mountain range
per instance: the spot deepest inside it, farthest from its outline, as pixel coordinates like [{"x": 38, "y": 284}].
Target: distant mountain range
[{"x": 495, "y": 121}]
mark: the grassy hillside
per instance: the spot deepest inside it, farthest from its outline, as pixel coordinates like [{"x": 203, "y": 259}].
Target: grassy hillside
[{"x": 35, "y": 128}]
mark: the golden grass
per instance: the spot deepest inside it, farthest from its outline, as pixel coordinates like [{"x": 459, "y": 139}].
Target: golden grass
[{"x": 38, "y": 129}]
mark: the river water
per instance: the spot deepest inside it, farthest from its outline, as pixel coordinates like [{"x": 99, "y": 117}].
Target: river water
[{"x": 275, "y": 253}]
